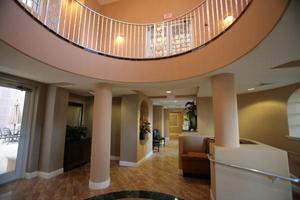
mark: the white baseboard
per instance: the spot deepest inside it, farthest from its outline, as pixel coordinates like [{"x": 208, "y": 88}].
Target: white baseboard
[
  {"x": 211, "y": 195},
  {"x": 30, "y": 175},
  {"x": 128, "y": 164},
  {"x": 46, "y": 175},
  {"x": 99, "y": 185},
  {"x": 135, "y": 164},
  {"x": 114, "y": 157}
]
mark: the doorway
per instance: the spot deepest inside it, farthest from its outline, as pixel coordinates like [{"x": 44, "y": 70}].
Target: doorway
[
  {"x": 175, "y": 124},
  {"x": 12, "y": 137}
]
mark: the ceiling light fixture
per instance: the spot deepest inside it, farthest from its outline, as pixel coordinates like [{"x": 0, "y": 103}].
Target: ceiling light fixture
[
  {"x": 119, "y": 39},
  {"x": 251, "y": 89},
  {"x": 168, "y": 91},
  {"x": 228, "y": 20}
]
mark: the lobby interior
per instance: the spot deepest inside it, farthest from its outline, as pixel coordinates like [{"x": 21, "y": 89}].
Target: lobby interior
[{"x": 98, "y": 77}]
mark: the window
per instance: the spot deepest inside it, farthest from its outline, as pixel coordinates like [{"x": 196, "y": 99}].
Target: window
[
  {"x": 169, "y": 38},
  {"x": 293, "y": 111},
  {"x": 74, "y": 114},
  {"x": 181, "y": 36},
  {"x": 33, "y": 5}
]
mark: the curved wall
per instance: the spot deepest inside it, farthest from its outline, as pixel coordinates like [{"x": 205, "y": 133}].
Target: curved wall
[
  {"x": 266, "y": 111},
  {"x": 23, "y": 33}
]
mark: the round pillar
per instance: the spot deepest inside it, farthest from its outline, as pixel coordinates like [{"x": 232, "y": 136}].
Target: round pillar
[
  {"x": 100, "y": 155},
  {"x": 225, "y": 110}
]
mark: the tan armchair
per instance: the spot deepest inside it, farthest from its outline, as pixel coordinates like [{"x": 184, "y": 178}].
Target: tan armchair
[{"x": 193, "y": 150}]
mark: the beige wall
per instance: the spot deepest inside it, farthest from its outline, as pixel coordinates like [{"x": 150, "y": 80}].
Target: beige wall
[
  {"x": 132, "y": 148},
  {"x": 205, "y": 116},
  {"x": 129, "y": 128},
  {"x": 54, "y": 130},
  {"x": 115, "y": 127},
  {"x": 158, "y": 119},
  {"x": 166, "y": 123},
  {"x": 262, "y": 117}
]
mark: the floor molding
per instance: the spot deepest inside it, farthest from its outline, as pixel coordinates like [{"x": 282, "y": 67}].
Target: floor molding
[
  {"x": 99, "y": 185},
  {"x": 45, "y": 175},
  {"x": 128, "y": 164},
  {"x": 30, "y": 175},
  {"x": 135, "y": 164}
]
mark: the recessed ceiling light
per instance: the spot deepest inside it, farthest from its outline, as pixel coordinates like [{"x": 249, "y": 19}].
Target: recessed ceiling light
[
  {"x": 251, "y": 89},
  {"x": 168, "y": 91}
]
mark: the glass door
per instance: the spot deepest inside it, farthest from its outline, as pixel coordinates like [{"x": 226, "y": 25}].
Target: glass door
[{"x": 12, "y": 139}]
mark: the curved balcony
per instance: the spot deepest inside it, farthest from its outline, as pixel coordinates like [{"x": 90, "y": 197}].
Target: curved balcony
[
  {"x": 100, "y": 34},
  {"x": 21, "y": 32}
]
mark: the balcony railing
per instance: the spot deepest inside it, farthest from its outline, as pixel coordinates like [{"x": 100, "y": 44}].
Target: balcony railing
[{"x": 93, "y": 31}]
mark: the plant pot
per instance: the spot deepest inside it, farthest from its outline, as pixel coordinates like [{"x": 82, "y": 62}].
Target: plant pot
[{"x": 142, "y": 136}]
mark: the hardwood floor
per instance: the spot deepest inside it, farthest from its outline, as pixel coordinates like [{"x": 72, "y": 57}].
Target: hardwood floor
[{"x": 158, "y": 173}]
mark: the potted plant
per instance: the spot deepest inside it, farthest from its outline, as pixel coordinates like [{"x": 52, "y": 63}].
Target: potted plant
[
  {"x": 144, "y": 129},
  {"x": 76, "y": 132},
  {"x": 191, "y": 112}
]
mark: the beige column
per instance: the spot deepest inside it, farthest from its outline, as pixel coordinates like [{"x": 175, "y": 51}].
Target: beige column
[
  {"x": 100, "y": 158},
  {"x": 225, "y": 110}
]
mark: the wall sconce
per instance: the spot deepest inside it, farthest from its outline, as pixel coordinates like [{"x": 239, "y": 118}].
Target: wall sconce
[
  {"x": 228, "y": 20},
  {"x": 119, "y": 40}
]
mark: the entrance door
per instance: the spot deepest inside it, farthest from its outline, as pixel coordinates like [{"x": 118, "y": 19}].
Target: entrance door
[
  {"x": 12, "y": 137},
  {"x": 175, "y": 124}
]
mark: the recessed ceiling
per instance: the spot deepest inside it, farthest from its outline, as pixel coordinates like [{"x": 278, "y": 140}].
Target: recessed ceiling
[{"x": 172, "y": 103}]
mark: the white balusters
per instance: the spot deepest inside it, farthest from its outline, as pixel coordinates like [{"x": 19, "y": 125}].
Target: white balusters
[{"x": 89, "y": 29}]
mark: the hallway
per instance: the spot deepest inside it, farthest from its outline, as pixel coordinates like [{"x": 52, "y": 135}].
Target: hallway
[{"x": 159, "y": 173}]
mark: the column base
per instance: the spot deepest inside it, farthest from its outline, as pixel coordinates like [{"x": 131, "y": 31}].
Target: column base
[{"x": 99, "y": 185}]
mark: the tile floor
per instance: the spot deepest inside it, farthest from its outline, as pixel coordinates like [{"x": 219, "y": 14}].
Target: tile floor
[{"x": 159, "y": 173}]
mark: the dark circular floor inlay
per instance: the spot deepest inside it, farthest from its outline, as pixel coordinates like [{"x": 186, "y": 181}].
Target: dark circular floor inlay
[{"x": 146, "y": 195}]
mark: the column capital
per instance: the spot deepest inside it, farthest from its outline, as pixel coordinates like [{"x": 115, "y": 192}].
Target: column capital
[
  {"x": 103, "y": 85},
  {"x": 223, "y": 75}
]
